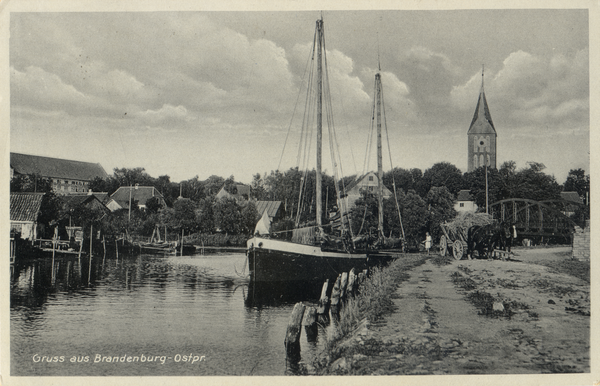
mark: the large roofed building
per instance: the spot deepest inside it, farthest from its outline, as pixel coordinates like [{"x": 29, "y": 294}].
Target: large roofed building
[
  {"x": 481, "y": 135},
  {"x": 67, "y": 176},
  {"x": 139, "y": 194}
]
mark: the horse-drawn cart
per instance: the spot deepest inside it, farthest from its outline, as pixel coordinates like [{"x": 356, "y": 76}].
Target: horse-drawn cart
[
  {"x": 471, "y": 234},
  {"x": 454, "y": 240}
]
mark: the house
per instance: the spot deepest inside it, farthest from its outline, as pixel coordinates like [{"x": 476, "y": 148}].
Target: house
[
  {"x": 73, "y": 202},
  {"x": 242, "y": 193},
  {"x": 67, "y": 176},
  {"x": 139, "y": 194},
  {"x": 571, "y": 197},
  {"x": 274, "y": 209},
  {"x": 24, "y": 212},
  {"x": 368, "y": 182},
  {"x": 103, "y": 197},
  {"x": 465, "y": 202}
]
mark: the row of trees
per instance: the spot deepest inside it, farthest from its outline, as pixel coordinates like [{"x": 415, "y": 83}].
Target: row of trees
[{"x": 425, "y": 198}]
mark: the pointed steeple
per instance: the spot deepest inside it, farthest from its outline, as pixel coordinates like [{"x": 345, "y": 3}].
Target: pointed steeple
[{"x": 482, "y": 119}]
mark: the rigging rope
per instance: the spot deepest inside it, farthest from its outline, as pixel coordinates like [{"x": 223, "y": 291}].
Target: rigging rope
[
  {"x": 387, "y": 137},
  {"x": 293, "y": 113}
]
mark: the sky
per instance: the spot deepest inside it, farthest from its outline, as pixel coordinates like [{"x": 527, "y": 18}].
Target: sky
[{"x": 188, "y": 94}]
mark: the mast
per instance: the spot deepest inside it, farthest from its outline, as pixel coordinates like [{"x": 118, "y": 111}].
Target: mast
[
  {"x": 319, "y": 119},
  {"x": 379, "y": 158}
]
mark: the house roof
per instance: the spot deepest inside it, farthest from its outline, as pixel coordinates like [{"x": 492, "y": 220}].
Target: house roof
[
  {"x": 103, "y": 197},
  {"x": 360, "y": 179},
  {"x": 571, "y": 196},
  {"x": 141, "y": 195},
  {"x": 72, "y": 201},
  {"x": 25, "y": 206},
  {"x": 272, "y": 207},
  {"x": 241, "y": 191},
  {"x": 56, "y": 167},
  {"x": 482, "y": 119},
  {"x": 464, "y": 195}
]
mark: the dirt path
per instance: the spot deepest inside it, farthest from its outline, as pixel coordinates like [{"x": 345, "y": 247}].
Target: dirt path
[{"x": 478, "y": 317}]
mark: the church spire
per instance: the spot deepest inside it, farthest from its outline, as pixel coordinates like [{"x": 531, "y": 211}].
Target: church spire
[
  {"x": 482, "y": 119},
  {"x": 482, "y": 134}
]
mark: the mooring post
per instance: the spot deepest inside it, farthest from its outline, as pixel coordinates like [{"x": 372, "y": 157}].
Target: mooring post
[
  {"x": 351, "y": 283},
  {"x": 335, "y": 296},
  {"x": 292, "y": 336},
  {"x": 323, "y": 307},
  {"x": 343, "y": 284},
  {"x": 91, "y": 238},
  {"x": 309, "y": 321}
]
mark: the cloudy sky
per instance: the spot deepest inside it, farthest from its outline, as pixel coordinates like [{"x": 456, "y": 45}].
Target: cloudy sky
[{"x": 202, "y": 93}]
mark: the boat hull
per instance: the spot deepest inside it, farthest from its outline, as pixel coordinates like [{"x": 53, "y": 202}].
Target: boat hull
[{"x": 283, "y": 261}]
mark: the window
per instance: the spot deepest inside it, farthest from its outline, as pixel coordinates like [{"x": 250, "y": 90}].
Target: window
[
  {"x": 462, "y": 204},
  {"x": 370, "y": 178}
]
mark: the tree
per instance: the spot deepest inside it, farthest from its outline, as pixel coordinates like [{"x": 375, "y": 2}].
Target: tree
[
  {"x": 249, "y": 216},
  {"x": 475, "y": 182},
  {"x": 577, "y": 181},
  {"x": 213, "y": 184},
  {"x": 534, "y": 184},
  {"x": 414, "y": 218},
  {"x": 153, "y": 205},
  {"x": 441, "y": 174},
  {"x": 257, "y": 189},
  {"x": 205, "y": 215},
  {"x": 440, "y": 203},
  {"x": 227, "y": 216},
  {"x": 364, "y": 214},
  {"x": 182, "y": 216},
  {"x": 30, "y": 183},
  {"x": 404, "y": 179}
]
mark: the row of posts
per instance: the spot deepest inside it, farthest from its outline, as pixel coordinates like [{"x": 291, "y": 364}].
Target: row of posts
[{"x": 345, "y": 287}]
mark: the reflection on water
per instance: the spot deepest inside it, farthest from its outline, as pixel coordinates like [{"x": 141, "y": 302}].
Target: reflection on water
[{"x": 104, "y": 316}]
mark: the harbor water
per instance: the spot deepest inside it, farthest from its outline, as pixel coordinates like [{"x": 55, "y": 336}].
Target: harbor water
[{"x": 146, "y": 315}]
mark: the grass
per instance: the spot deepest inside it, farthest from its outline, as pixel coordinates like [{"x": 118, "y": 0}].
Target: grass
[
  {"x": 460, "y": 281},
  {"x": 549, "y": 286},
  {"x": 576, "y": 268},
  {"x": 442, "y": 260},
  {"x": 371, "y": 303}
]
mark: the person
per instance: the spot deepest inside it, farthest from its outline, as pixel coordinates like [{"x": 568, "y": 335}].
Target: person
[{"x": 427, "y": 242}]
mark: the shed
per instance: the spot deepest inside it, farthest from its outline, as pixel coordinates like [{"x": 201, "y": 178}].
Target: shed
[
  {"x": 274, "y": 209},
  {"x": 24, "y": 211}
]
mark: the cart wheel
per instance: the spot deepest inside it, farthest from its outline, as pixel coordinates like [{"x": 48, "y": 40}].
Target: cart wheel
[
  {"x": 457, "y": 250},
  {"x": 443, "y": 245}
]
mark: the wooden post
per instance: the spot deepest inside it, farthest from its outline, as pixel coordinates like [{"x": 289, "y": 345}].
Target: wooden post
[
  {"x": 309, "y": 321},
  {"x": 343, "y": 284},
  {"x": 292, "y": 336},
  {"x": 117, "y": 248},
  {"x": 335, "y": 296},
  {"x": 361, "y": 277},
  {"x": 91, "y": 238},
  {"x": 182, "y": 242},
  {"x": 351, "y": 282},
  {"x": 323, "y": 307},
  {"x": 104, "y": 245},
  {"x": 80, "y": 245}
]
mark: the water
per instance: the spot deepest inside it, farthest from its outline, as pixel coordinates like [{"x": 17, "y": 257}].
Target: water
[{"x": 146, "y": 315}]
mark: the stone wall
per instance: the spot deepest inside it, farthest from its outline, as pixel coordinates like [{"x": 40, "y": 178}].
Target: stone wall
[{"x": 581, "y": 243}]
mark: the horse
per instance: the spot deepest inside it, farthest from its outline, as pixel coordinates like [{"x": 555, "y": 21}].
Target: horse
[{"x": 484, "y": 239}]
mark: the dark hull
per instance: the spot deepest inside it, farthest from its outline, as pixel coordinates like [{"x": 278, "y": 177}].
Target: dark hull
[{"x": 281, "y": 261}]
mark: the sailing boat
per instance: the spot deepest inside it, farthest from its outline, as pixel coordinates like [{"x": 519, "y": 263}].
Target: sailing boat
[{"x": 304, "y": 258}]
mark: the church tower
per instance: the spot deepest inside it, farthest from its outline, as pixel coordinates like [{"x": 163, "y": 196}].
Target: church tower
[{"x": 481, "y": 135}]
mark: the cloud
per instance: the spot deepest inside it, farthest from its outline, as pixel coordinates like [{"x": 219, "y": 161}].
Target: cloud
[{"x": 533, "y": 89}]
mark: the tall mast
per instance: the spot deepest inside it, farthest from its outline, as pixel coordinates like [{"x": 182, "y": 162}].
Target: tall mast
[
  {"x": 319, "y": 119},
  {"x": 379, "y": 157}
]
